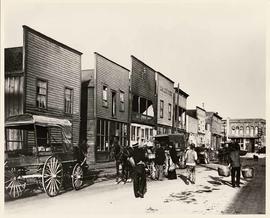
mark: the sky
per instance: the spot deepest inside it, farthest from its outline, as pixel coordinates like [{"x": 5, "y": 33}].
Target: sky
[{"x": 214, "y": 49}]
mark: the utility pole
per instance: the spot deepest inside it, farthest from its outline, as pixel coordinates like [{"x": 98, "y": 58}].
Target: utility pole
[{"x": 177, "y": 108}]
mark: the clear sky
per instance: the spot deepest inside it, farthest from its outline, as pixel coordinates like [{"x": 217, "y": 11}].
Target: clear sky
[{"x": 215, "y": 49}]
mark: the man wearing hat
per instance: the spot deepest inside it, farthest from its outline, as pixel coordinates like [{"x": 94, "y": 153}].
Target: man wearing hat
[{"x": 139, "y": 180}]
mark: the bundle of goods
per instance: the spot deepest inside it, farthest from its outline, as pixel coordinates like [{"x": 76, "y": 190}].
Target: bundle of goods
[
  {"x": 224, "y": 171},
  {"x": 247, "y": 172}
]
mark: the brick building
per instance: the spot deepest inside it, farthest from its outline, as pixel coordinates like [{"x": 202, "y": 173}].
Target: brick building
[
  {"x": 105, "y": 108},
  {"x": 249, "y": 133},
  {"x": 165, "y": 93},
  {"x": 143, "y": 114},
  {"x": 43, "y": 78}
]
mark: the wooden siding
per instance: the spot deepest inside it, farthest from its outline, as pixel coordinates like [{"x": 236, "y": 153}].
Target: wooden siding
[
  {"x": 116, "y": 78},
  {"x": 165, "y": 92},
  {"x": 61, "y": 67},
  {"x": 14, "y": 88},
  {"x": 143, "y": 84}
]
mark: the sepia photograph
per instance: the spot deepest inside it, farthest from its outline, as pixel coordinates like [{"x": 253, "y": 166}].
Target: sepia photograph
[{"x": 118, "y": 108}]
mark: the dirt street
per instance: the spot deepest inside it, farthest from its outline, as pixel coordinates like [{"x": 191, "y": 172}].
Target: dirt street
[{"x": 211, "y": 195}]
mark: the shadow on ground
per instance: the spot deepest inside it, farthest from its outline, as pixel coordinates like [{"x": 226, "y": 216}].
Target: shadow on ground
[
  {"x": 251, "y": 197},
  {"x": 90, "y": 178}
]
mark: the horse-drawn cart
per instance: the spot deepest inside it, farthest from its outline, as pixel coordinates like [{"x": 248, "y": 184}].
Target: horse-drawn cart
[{"x": 39, "y": 153}]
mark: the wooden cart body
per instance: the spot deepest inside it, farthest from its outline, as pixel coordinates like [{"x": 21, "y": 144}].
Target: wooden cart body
[{"x": 34, "y": 163}]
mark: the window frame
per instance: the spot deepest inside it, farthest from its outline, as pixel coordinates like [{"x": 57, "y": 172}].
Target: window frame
[
  {"x": 169, "y": 111},
  {"x": 71, "y": 100},
  {"x": 161, "y": 109},
  {"x": 37, "y": 94},
  {"x": 105, "y": 101},
  {"x": 122, "y": 101}
]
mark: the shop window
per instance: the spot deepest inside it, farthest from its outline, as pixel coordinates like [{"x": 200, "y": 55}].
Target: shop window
[
  {"x": 133, "y": 128},
  {"x": 147, "y": 133}
]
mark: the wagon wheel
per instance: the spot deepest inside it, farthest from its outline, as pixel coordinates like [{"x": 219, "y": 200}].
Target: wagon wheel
[
  {"x": 14, "y": 184},
  {"x": 77, "y": 176},
  {"x": 52, "y": 176}
]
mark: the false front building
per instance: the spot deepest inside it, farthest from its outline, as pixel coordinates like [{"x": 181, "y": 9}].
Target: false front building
[
  {"x": 43, "y": 77},
  {"x": 143, "y": 114},
  {"x": 105, "y": 108}
]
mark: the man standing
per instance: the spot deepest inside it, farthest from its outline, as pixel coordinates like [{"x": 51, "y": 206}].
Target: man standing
[
  {"x": 139, "y": 180},
  {"x": 116, "y": 148},
  {"x": 234, "y": 159},
  {"x": 159, "y": 161},
  {"x": 191, "y": 158}
]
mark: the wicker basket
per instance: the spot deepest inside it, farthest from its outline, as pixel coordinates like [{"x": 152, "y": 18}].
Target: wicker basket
[
  {"x": 248, "y": 172},
  {"x": 224, "y": 171}
]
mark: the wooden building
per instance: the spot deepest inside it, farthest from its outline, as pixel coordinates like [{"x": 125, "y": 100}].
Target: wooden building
[
  {"x": 143, "y": 114},
  {"x": 42, "y": 77},
  {"x": 165, "y": 101},
  {"x": 214, "y": 125},
  {"x": 105, "y": 108},
  {"x": 180, "y": 108}
]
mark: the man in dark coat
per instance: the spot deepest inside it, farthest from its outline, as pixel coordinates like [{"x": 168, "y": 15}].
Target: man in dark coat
[
  {"x": 234, "y": 158},
  {"x": 174, "y": 160},
  {"x": 139, "y": 180},
  {"x": 159, "y": 161}
]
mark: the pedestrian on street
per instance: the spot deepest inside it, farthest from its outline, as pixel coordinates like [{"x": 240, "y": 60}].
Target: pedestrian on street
[
  {"x": 139, "y": 176},
  {"x": 173, "y": 162},
  {"x": 159, "y": 161},
  {"x": 234, "y": 163},
  {"x": 191, "y": 158},
  {"x": 116, "y": 150}
]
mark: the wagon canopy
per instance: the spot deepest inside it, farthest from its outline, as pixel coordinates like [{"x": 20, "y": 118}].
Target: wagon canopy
[
  {"x": 28, "y": 121},
  {"x": 179, "y": 139}
]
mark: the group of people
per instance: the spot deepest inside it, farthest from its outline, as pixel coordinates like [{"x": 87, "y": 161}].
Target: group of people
[{"x": 133, "y": 162}]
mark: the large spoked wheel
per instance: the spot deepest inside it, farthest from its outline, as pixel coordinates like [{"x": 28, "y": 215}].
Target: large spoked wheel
[
  {"x": 14, "y": 184},
  {"x": 52, "y": 176},
  {"x": 77, "y": 176}
]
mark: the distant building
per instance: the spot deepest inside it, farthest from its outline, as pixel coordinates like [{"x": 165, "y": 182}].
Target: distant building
[
  {"x": 105, "y": 108},
  {"x": 214, "y": 128},
  {"x": 180, "y": 108},
  {"x": 143, "y": 114},
  {"x": 200, "y": 114},
  {"x": 249, "y": 133},
  {"x": 192, "y": 126},
  {"x": 165, "y": 93},
  {"x": 43, "y": 77}
]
